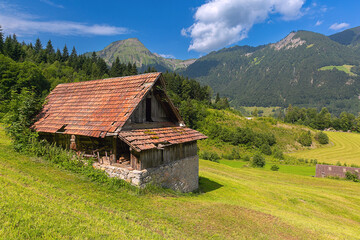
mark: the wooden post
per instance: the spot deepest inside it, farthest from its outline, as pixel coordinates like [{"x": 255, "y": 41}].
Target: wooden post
[{"x": 114, "y": 150}]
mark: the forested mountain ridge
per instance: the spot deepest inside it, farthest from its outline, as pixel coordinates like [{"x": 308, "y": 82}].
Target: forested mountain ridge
[
  {"x": 347, "y": 37},
  {"x": 132, "y": 50},
  {"x": 305, "y": 69}
]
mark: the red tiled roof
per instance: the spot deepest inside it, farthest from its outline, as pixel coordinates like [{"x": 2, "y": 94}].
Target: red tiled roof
[
  {"x": 93, "y": 108},
  {"x": 144, "y": 139}
]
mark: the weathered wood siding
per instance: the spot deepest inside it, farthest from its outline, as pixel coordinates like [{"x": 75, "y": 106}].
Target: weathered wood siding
[
  {"x": 156, "y": 157},
  {"x": 158, "y": 113}
]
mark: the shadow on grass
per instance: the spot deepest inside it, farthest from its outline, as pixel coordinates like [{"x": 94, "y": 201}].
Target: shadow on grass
[{"x": 207, "y": 185}]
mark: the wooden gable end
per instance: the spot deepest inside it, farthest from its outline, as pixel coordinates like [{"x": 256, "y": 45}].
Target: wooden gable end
[{"x": 155, "y": 109}]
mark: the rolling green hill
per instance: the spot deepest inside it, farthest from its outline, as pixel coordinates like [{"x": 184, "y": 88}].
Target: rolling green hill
[
  {"x": 133, "y": 51},
  {"x": 304, "y": 69},
  {"x": 40, "y": 201}
]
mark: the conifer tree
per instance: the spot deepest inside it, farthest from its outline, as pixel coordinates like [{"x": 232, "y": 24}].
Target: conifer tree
[
  {"x": 38, "y": 46},
  {"x": 50, "y": 48},
  {"x": 58, "y": 56},
  {"x": 65, "y": 54},
  {"x": 134, "y": 69},
  {"x": 116, "y": 68},
  {"x": 73, "y": 54},
  {"x": 1, "y": 40}
]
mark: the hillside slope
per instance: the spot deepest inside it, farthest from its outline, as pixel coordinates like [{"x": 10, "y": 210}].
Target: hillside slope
[
  {"x": 344, "y": 148},
  {"x": 133, "y": 51},
  {"x": 39, "y": 200},
  {"x": 347, "y": 37},
  {"x": 304, "y": 69}
]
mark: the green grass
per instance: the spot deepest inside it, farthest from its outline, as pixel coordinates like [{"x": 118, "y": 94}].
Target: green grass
[
  {"x": 343, "y": 147},
  {"x": 39, "y": 200},
  {"x": 267, "y": 111},
  {"x": 343, "y": 68},
  {"x": 292, "y": 169}
]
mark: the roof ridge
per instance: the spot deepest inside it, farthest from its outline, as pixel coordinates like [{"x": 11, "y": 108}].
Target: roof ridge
[{"x": 104, "y": 79}]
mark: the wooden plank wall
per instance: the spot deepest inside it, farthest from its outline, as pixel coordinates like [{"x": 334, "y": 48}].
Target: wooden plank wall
[
  {"x": 158, "y": 114},
  {"x": 156, "y": 157}
]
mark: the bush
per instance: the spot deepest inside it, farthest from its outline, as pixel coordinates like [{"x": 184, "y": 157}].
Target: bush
[
  {"x": 274, "y": 167},
  {"x": 322, "y": 138},
  {"x": 265, "y": 149},
  {"x": 305, "y": 139},
  {"x": 246, "y": 158},
  {"x": 352, "y": 176},
  {"x": 258, "y": 161},
  {"x": 278, "y": 154},
  {"x": 211, "y": 156},
  {"x": 234, "y": 154}
]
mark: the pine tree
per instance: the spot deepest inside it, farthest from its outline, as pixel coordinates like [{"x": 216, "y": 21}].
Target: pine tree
[
  {"x": 38, "y": 46},
  {"x": 102, "y": 67},
  {"x": 134, "y": 69},
  {"x": 116, "y": 68},
  {"x": 93, "y": 57},
  {"x": 50, "y": 48},
  {"x": 65, "y": 54},
  {"x": 8, "y": 47},
  {"x": 73, "y": 54},
  {"x": 1, "y": 40},
  {"x": 58, "y": 56}
]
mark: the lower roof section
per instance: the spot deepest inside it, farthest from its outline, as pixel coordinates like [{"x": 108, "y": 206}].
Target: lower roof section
[{"x": 145, "y": 139}]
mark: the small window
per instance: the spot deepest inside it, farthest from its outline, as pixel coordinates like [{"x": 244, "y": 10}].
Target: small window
[{"x": 148, "y": 110}]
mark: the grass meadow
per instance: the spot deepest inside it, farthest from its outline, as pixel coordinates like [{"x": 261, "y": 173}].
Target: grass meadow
[
  {"x": 39, "y": 200},
  {"x": 344, "y": 148}
]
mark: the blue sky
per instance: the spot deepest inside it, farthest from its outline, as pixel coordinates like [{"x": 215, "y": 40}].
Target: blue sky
[{"x": 182, "y": 29}]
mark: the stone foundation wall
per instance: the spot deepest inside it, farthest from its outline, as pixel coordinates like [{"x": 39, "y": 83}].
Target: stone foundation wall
[{"x": 181, "y": 175}]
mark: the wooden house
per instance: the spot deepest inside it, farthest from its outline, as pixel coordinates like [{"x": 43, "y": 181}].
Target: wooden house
[{"x": 129, "y": 125}]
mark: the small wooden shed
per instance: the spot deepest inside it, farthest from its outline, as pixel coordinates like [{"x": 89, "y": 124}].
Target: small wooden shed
[{"x": 126, "y": 122}]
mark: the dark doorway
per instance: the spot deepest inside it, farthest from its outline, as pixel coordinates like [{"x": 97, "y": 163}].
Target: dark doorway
[{"x": 148, "y": 110}]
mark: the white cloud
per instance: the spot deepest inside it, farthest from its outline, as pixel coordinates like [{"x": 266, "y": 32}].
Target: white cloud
[
  {"x": 219, "y": 23},
  {"x": 51, "y": 3},
  {"x": 14, "y": 21},
  {"x": 338, "y": 26},
  {"x": 167, "y": 56},
  {"x": 318, "y": 23}
]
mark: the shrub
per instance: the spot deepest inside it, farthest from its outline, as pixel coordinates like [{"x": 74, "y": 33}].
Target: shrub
[
  {"x": 246, "y": 158},
  {"x": 265, "y": 149},
  {"x": 322, "y": 138},
  {"x": 274, "y": 167},
  {"x": 234, "y": 154},
  {"x": 258, "y": 161},
  {"x": 305, "y": 139},
  {"x": 352, "y": 176},
  {"x": 211, "y": 156},
  {"x": 278, "y": 154}
]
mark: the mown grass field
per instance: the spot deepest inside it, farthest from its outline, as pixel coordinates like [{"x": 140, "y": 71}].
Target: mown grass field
[
  {"x": 343, "y": 147},
  {"x": 39, "y": 200},
  {"x": 292, "y": 169}
]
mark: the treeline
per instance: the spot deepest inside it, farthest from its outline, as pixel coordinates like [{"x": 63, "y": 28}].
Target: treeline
[
  {"x": 322, "y": 119},
  {"x": 40, "y": 69}
]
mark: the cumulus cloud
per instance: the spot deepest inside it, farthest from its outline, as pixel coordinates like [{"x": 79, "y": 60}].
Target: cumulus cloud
[
  {"x": 14, "y": 21},
  {"x": 338, "y": 26},
  {"x": 219, "y": 23}
]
